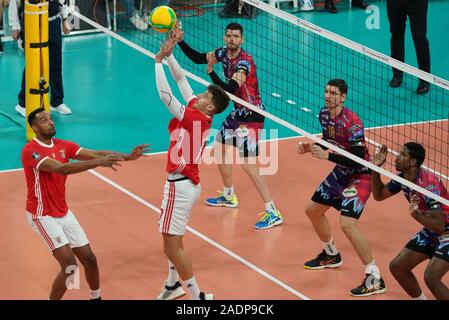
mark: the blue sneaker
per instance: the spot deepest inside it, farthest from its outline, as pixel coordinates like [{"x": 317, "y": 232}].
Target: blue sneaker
[
  {"x": 222, "y": 201},
  {"x": 269, "y": 220}
]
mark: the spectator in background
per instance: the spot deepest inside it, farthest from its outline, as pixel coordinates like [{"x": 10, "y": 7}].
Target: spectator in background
[
  {"x": 134, "y": 16},
  {"x": 329, "y": 5},
  {"x": 3, "y": 4},
  {"x": 416, "y": 10},
  {"x": 157, "y": 3},
  {"x": 55, "y": 12}
]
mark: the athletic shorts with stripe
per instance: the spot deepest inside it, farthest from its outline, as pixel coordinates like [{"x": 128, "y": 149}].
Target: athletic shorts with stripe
[
  {"x": 179, "y": 198},
  {"x": 57, "y": 232}
]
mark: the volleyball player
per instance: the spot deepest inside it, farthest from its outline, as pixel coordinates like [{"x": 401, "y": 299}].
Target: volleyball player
[
  {"x": 431, "y": 242},
  {"x": 188, "y": 136},
  {"x": 346, "y": 188}
]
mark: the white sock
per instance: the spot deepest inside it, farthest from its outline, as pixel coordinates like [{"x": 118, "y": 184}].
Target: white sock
[
  {"x": 173, "y": 276},
  {"x": 330, "y": 248},
  {"x": 421, "y": 297},
  {"x": 372, "y": 268},
  {"x": 269, "y": 206},
  {"x": 193, "y": 288},
  {"x": 95, "y": 294},
  {"x": 228, "y": 192}
]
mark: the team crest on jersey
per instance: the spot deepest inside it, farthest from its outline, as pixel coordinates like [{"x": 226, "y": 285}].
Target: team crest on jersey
[
  {"x": 36, "y": 156},
  {"x": 62, "y": 152},
  {"x": 349, "y": 192},
  {"x": 242, "y": 131}
]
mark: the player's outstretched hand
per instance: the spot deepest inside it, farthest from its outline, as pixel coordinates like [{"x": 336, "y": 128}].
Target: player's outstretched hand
[
  {"x": 414, "y": 203},
  {"x": 138, "y": 151},
  {"x": 380, "y": 155},
  {"x": 304, "y": 147},
  {"x": 177, "y": 34},
  {"x": 318, "y": 152},
  {"x": 165, "y": 50},
  {"x": 110, "y": 161}
]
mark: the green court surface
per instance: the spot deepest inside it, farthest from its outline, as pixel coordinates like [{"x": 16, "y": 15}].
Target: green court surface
[{"x": 111, "y": 89}]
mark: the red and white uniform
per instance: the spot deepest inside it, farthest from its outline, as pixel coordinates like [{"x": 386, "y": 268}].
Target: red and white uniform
[
  {"x": 46, "y": 206},
  {"x": 188, "y": 138}
]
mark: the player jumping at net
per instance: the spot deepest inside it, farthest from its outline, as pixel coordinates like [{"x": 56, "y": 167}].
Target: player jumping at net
[
  {"x": 431, "y": 242},
  {"x": 188, "y": 136},
  {"x": 346, "y": 188},
  {"x": 46, "y": 165},
  {"x": 242, "y": 127}
]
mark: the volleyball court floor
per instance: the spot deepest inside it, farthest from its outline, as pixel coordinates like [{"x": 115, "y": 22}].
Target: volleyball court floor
[{"x": 119, "y": 210}]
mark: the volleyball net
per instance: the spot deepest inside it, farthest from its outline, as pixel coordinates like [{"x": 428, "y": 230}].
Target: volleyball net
[{"x": 295, "y": 59}]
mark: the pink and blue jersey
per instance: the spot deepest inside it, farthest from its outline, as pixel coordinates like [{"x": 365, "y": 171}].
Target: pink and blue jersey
[
  {"x": 428, "y": 181},
  {"x": 426, "y": 240},
  {"x": 344, "y": 131},
  {"x": 248, "y": 91}
]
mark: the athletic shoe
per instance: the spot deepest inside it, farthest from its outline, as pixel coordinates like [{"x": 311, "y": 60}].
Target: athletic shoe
[
  {"x": 171, "y": 293},
  {"x": 138, "y": 22},
  {"x": 62, "y": 109},
  {"x": 269, "y": 220},
  {"x": 222, "y": 201},
  {"x": 323, "y": 260},
  {"x": 206, "y": 296},
  {"x": 21, "y": 110},
  {"x": 370, "y": 285}
]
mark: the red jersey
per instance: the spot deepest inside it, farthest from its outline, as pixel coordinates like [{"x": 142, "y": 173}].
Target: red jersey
[
  {"x": 187, "y": 142},
  {"x": 46, "y": 191}
]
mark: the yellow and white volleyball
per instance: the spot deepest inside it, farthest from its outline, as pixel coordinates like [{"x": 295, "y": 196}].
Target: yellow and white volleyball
[{"x": 162, "y": 19}]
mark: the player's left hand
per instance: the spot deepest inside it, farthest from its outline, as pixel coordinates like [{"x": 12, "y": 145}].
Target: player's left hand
[
  {"x": 138, "y": 151},
  {"x": 210, "y": 68},
  {"x": 414, "y": 203},
  {"x": 380, "y": 155},
  {"x": 318, "y": 152}
]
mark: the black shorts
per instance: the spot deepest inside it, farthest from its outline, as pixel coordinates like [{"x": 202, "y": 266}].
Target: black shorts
[
  {"x": 442, "y": 251},
  {"x": 242, "y": 135},
  {"x": 425, "y": 242},
  {"x": 349, "y": 197}
]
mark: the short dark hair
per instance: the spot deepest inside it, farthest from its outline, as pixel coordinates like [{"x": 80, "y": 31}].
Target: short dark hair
[
  {"x": 33, "y": 114},
  {"x": 416, "y": 152},
  {"x": 220, "y": 99},
  {"x": 235, "y": 26},
  {"x": 340, "y": 84}
]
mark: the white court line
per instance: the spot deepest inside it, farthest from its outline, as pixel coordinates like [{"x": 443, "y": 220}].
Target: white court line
[{"x": 202, "y": 236}]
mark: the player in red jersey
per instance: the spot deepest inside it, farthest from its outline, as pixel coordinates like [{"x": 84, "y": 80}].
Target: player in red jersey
[
  {"x": 188, "y": 136},
  {"x": 242, "y": 127},
  {"x": 431, "y": 242},
  {"x": 46, "y": 165}
]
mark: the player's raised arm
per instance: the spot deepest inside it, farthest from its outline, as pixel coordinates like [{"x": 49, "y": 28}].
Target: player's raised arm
[
  {"x": 177, "y": 72},
  {"x": 165, "y": 93},
  {"x": 192, "y": 54}
]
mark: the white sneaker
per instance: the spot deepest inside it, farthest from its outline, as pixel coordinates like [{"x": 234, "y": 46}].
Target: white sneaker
[
  {"x": 306, "y": 5},
  {"x": 20, "y": 44},
  {"x": 21, "y": 110},
  {"x": 206, "y": 296},
  {"x": 138, "y": 22},
  {"x": 171, "y": 293},
  {"x": 62, "y": 109}
]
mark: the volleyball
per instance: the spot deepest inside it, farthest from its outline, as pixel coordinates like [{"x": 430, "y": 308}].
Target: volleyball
[{"x": 162, "y": 19}]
